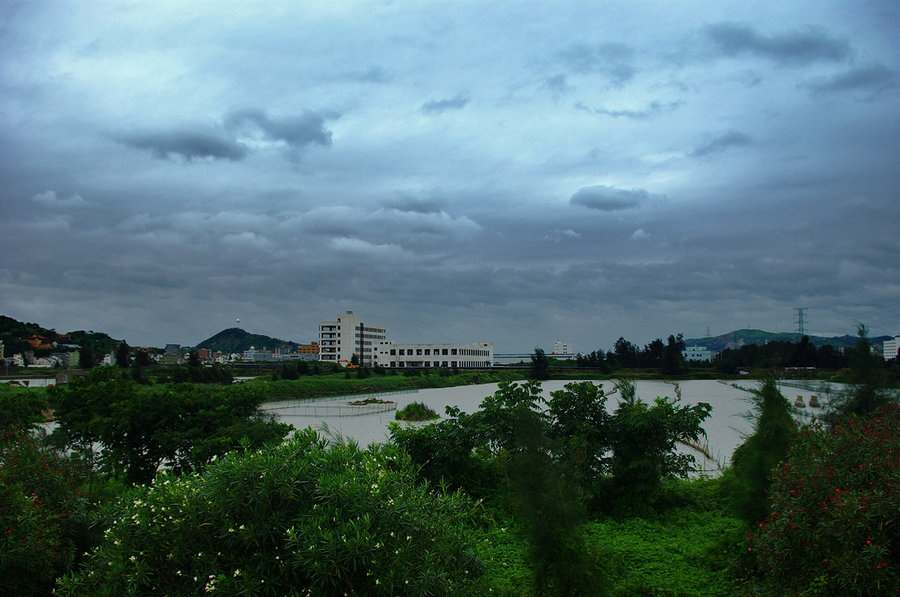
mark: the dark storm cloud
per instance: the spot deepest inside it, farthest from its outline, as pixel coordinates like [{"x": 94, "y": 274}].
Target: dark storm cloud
[
  {"x": 871, "y": 79},
  {"x": 297, "y": 131},
  {"x": 798, "y": 47},
  {"x": 419, "y": 206},
  {"x": 606, "y": 198},
  {"x": 440, "y": 106},
  {"x": 721, "y": 143},
  {"x": 613, "y": 60},
  {"x": 188, "y": 144},
  {"x": 653, "y": 109}
]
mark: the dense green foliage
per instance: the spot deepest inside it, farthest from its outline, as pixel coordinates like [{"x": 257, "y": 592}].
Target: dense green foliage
[
  {"x": 300, "y": 518},
  {"x": 754, "y": 461},
  {"x": 140, "y": 429},
  {"x": 416, "y": 411},
  {"x": 43, "y": 515},
  {"x": 834, "y": 520}
]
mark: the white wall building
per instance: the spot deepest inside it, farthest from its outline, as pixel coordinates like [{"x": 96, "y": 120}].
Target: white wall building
[
  {"x": 697, "y": 353},
  {"x": 891, "y": 348},
  {"x": 390, "y": 354},
  {"x": 562, "y": 348},
  {"x": 349, "y": 335}
]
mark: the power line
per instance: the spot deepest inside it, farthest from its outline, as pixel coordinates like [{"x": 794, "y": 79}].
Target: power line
[{"x": 801, "y": 320}]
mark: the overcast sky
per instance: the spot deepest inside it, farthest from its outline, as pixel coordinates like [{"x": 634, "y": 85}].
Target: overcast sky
[{"x": 517, "y": 172}]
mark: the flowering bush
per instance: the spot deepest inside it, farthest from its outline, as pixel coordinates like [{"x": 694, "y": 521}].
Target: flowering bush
[
  {"x": 43, "y": 516},
  {"x": 834, "y": 521},
  {"x": 299, "y": 518}
]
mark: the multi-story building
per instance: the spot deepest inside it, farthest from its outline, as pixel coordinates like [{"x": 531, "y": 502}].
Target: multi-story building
[
  {"x": 311, "y": 348},
  {"x": 891, "y": 348},
  {"x": 348, "y": 336},
  {"x": 562, "y": 348},
  {"x": 390, "y": 354},
  {"x": 697, "y": 353}
]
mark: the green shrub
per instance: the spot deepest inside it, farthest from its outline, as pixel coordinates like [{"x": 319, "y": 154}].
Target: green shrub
[
  {"x": 834, "y": 521},
  {"x": 299, "y": 518},
  {"x": 415, "y": 411}
]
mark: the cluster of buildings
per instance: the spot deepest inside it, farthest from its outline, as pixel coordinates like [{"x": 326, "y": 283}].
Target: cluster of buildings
[{"x": 350, "y": 340}]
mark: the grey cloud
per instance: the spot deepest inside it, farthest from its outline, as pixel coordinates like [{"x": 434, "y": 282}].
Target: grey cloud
[
  {"x": 653, "y": 109},
  {"x": 185, "y": 143},
  {"x": 440, "y": 106},
  {"x": 801, "y": 46},
  {"x": 606, "y": 198},
  {"x": 297, "y": 131},
  {"x": 374, "y": 74},
  {"x": 873, "y": 79},
  {"x": 419, "y": 206},
  {"x": 557, "y": 84},
  {"x": 613, "y": 60},
  {"x": 721, "y": 143},
  {"x": 50, "y": 199}
]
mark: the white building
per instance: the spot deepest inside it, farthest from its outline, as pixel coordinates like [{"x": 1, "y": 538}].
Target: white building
[
  {"x": 387, "y": 353},
  {"x": 562, "y": 348},
  {"x": 697, "y": 353},
  {"x": 340, "y": 340},
  {"x": 891, "y": 348}
]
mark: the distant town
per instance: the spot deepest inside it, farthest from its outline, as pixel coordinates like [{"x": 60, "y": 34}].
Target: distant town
[{"x": 348, "y": 341}]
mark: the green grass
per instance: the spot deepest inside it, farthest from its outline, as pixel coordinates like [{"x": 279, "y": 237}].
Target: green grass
[
  {"x": 685, "y": 550},
  {"x": 338, "y": 384}
]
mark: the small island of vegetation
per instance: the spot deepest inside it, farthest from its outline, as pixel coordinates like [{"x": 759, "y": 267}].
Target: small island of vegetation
[{"x": 416, "y": 411}]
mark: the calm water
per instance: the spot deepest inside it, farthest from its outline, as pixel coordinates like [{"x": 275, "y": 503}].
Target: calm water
[{"x": 724, "y": 428}]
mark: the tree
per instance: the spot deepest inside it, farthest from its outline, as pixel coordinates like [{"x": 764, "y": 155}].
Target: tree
[
  {"x": 867, "y": 389},
  {"x": 755, "y": 461},
  {"x": 87, "y": 358},
  {"x": 140, "y": 429},
  {"x": 540, "y": 364},
  {"x": 673, "y": 356},
  {"x": 299, "y": 518},
  {"x": 644, "y": 439},
  {"x": 580, "y": 426},
  {"x": 626, "y": 353},
  {"x": 123, "y": 355}
]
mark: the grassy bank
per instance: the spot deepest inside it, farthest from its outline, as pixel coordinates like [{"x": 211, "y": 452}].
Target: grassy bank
[{"x": 339, "y": 384}]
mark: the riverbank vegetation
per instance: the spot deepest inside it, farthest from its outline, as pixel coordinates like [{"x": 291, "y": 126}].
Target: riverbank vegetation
[{"x": 194, "y": 492}]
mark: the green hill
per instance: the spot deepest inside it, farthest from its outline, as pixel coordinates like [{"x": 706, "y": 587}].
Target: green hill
[
  {"x": 739, "y": 338},
  {"x": 238, "y": 340}
]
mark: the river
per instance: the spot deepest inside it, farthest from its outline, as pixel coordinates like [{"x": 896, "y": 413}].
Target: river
[{"x": 725, "y": 427}]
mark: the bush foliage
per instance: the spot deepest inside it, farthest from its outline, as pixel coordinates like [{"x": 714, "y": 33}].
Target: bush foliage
[
  {"x": 300, "y": 518},
  {"x": 834, "y": 521}
]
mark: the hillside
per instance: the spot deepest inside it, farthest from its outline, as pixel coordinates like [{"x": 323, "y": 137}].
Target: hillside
[
  {"x": 238, "y": 340},
  {"x": 739, "y": 338},
  {"x": 13, "y": 334}
]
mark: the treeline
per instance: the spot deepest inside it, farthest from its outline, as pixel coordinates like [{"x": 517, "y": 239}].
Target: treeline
[{"x": 668, "y": 358}]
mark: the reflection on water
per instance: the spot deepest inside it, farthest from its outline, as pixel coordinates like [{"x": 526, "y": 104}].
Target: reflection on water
[{"x": 725, "y": 427}]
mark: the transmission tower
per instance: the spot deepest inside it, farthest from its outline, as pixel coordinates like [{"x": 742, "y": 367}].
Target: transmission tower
[{"x": 801, "y": 320}]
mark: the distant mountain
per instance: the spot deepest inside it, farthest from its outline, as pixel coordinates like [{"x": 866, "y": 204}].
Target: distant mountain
[
  {"x": 739, "y": 338},
  {"x": 237, "y": 340}
]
